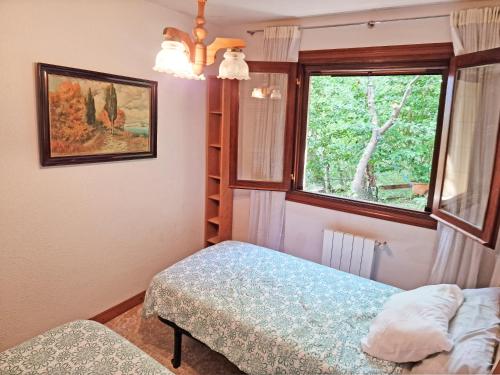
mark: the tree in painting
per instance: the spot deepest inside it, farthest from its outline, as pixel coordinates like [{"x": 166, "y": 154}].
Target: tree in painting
[
  {"x": 67, "y": 111},
  {"x": 90, "y": 104},
  {"x": 111, "y": 106}
]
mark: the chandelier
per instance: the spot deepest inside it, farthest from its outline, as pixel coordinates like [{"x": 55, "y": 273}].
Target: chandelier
[{"x": 186, "y": 58}]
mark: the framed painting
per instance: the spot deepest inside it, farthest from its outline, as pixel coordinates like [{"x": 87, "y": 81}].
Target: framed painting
[{"x": 89, "y": 117}]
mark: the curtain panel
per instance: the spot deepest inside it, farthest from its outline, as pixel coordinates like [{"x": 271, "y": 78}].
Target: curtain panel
[{"x": 267, "y": 208}]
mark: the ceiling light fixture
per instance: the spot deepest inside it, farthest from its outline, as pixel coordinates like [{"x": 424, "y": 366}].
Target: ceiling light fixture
[{"x": 187, "y": 58}]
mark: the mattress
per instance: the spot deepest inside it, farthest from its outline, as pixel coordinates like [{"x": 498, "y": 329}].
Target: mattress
[
  {"x": 80, "y": 347},
  {"x": 271, "y": 313}
]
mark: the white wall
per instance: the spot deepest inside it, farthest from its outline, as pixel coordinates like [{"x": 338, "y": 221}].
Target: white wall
[
  {"x": 406, "y": 260},
  {"x": 76, "y": 240}
]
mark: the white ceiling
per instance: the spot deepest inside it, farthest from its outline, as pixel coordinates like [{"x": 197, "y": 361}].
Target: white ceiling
[{"x": 227, "y": 12}]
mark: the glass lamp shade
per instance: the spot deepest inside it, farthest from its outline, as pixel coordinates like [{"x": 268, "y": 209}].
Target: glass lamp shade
[
  {"x": 275, "y": 94},
  {"x": 234, "y": 66},
  {"x": 173, "y": 58},
  {"x": 266, "y": 92},
  {"x": 257, "y": 93}
]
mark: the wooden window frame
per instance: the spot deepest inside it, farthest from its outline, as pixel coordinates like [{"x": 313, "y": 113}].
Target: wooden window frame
[
  {"x": 409, "y": 59},
  {"x": 487, "y": 235},
  {"x": 265, "y": 67}
]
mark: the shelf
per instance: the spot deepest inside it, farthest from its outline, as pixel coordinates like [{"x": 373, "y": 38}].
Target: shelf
[
  {"x": 214, "y": 220},
  {"x": 221, "y": 97},
  {"x": 213, "y": 240}
]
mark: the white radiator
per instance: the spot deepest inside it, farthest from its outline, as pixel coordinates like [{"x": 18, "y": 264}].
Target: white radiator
[{"x": 348, "y": 253}]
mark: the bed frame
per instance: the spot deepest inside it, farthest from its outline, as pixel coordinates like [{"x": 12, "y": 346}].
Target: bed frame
[{"x": 178, "y": 332}]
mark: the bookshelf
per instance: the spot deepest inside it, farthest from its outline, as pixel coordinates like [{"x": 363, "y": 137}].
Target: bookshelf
[{"x": 218, "y": 195}]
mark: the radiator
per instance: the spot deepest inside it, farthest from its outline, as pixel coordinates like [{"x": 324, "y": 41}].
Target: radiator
[{"x": 348, "y": 253}]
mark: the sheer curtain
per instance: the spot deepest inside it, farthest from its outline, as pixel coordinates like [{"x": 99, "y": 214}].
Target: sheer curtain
[
  {"x": 267, "y": 208},
  {"x": 458, "y": 258}
]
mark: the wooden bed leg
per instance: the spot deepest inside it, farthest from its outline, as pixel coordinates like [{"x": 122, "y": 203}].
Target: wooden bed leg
[{"x": 176, "y": 361}]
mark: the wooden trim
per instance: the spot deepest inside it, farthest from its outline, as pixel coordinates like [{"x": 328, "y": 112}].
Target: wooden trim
[
  {"x": 266, "y": 67},
  {"x": 226, "y": 194},
  {"x": 406, "y": 59},
  {"x": 389, "y": 55},
  {"x": 437, "y": 141},
  {"x": 488, "y": 233},
  {"x": 119, "y": 309},
  {"x": 496, "y": 366},
  {"x": 398, "y": 215}
]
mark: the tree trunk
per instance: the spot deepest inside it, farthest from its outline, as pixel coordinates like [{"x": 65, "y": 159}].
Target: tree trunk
[
  {"x": 326, "y": 184},
  {"x": 371, "y": 182},
  {"x": 357, "y": 186}
]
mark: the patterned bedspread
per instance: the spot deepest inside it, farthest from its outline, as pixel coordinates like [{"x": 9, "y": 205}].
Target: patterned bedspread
[
  {"x": 271, "y": 313},
  {"x": 81, "y": 347}
]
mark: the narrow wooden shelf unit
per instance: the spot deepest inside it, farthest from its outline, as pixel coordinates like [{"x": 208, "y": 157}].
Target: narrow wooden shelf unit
[
  {"x": 213, "y": 240},
  {"x": 219, "y": 197}
]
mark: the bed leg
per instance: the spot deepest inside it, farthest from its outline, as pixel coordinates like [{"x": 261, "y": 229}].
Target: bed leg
[{"x": 176, "y": 361}]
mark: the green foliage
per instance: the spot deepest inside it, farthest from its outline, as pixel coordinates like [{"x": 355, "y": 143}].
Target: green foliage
[{"x": 339, "y": 129}]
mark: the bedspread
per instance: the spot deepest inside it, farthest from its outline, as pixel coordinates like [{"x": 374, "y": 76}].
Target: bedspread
[
  {"x": 271, "y": 313},
  {"x": 81, "y": 347}
]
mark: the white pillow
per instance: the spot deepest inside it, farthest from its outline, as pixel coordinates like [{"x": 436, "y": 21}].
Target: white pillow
[
  {"x": 475, "y": 331},
  {"x": 414, "y": 324}
]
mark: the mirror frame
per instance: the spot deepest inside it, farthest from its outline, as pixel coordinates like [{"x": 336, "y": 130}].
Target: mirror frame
[
  {"x": 284, "y": 185},
  {"x": 487, "y": 235}
]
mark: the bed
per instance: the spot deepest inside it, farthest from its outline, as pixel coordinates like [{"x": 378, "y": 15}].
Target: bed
[
  {"x": 269, "y": 312},
  {"x": 79, "y": 347}
]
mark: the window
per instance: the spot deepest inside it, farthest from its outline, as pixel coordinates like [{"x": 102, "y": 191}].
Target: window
[
  {"x": 262, "y": 120},
  {"x": 371, "y": 137},
  {"x": 369, "y": 130},
  {"x": 468, "y": 183}
]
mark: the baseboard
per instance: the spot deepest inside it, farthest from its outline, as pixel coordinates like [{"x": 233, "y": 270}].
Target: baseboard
[{"x": 119, "y": 309}]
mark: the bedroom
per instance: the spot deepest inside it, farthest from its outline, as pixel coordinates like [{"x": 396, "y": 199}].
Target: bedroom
[{"x": 78, "y": 240}]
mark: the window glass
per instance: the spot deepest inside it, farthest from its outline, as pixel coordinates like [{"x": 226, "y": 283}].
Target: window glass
[
  {"x": 262, "y": 124},
  {"x": 371, "y": 137},
  {"x": 472, "y": 142}
]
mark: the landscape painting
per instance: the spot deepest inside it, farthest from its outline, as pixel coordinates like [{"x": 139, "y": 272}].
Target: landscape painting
[{"x": 92, "y": 117}]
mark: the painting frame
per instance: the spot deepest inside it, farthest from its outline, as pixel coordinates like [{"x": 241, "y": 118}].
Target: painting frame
[{"x": 43, "y": 71}]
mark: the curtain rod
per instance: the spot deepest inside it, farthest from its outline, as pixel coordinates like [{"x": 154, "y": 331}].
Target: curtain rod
[{"x": 370, "y": 24}]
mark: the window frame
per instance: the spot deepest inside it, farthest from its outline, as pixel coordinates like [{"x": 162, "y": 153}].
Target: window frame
[
  {"x": 290, "y": 69},
  {"x": 389, "y": 60},
  {"x": 487, "y": 234}
]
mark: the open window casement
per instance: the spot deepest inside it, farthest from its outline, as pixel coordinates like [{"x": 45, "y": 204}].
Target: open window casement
[
  {"x": 467, "y": 194},
  {"x": 262, "y": 117}
]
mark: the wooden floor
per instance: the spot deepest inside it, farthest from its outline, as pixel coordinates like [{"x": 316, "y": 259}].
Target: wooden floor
[{"x": 156, "y": 339}]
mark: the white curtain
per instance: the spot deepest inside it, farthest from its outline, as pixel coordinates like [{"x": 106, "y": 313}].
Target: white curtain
[
  {"x": 458, "y": 258},
  {"x": 267, "y": 208}
]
